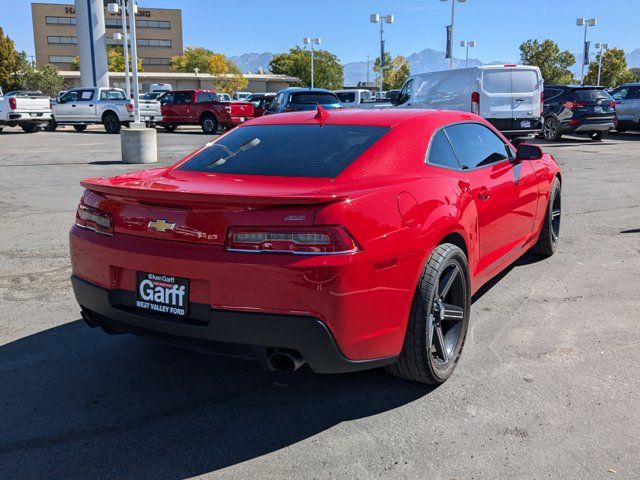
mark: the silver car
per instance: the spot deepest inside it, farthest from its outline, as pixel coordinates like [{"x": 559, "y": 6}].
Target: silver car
[{"x": 627, "y": 99}]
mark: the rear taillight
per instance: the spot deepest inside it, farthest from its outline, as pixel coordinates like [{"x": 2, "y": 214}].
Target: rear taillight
[
  {"x": 227, "y": 108},
  {"x": 572, "y": 105},
  {"x": 12, "y": 103},
  {"x": 612, "y": 104},
  {"x": 129, "y": 107},
  {"x": 475, "y": 103},
  {"x": 575, "y": 121},
  {"x": 50, "y": 104},
  {"x": 295, "y": 240},
  {"x": 95, "y": 220},
  {"x": 541, "y": 101}
]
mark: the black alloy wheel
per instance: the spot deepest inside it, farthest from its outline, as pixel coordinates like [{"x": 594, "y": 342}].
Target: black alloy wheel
[
  {"x": 551, "y": 129},
  {"x": 438, "y": 320}
]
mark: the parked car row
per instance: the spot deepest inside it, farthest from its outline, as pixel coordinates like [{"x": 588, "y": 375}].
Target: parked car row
[{"x": 25, "y": 109}]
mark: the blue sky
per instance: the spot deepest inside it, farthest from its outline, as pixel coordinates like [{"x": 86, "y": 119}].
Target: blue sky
[{"x": 499, "y": 26}]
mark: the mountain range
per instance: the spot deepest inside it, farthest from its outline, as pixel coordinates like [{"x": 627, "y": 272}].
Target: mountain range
[{"x": 427, "y": 60}]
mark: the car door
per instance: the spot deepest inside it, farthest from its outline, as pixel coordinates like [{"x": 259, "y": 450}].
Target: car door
[
  {"x": 85, "y": 105},
  {"x": 65, "y": 108},
  {"x": 634, "y": 101},
  {"x": 167, "y": 107},
  {"x": 505, "y": 192}
]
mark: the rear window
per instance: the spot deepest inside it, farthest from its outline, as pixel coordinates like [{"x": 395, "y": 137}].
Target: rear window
[
  {"x": 286, "y": 150},
  {"x": 347, "y": 97},
  {"x": 590, "y": 94},
  {"x": 510, "y": 81},
  {"x": 313, "y": 98}
]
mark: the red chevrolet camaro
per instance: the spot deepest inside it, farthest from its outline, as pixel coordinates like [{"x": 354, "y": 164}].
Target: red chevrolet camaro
[{"x": 346, "y": 239}]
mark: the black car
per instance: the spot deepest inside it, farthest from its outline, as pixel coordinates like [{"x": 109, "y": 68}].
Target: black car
[
  {"x": 261, "y": 102},
  {"x": 577, "y": 109}
]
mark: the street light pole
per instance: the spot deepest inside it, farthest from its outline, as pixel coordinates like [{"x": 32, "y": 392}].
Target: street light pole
[
  {"x": 368, "y": 71},
  {"x": 381, "y": 19},
  {"x": 591, "y": 22},
  {"x": 453, "y": 16},
  {"x": 125, "y": 46},
  {"x": 312, "y": 42},
  {"x": 601, "y": 47},
  {"x": 133, "y": 8},
  {"x": 467, "y": 43}
]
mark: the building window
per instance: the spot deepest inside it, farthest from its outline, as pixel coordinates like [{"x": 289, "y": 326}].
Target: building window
[
  {"x": 155, "y": 61},
  {"x": 152, "y": 42},
  {"x": 62, "y": 40},
  {"x": 60, "y": 59},
  {"x": 60, "y": 20},
  {"x": 117, "y": 23}
]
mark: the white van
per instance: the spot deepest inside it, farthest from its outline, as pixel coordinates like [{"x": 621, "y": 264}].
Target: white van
[
  {"x": 160, "y": 87},
  {"x": 508, "y": 96}
]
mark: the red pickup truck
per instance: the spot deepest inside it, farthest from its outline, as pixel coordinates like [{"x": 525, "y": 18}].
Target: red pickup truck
[{"x": 202, "y": 107}]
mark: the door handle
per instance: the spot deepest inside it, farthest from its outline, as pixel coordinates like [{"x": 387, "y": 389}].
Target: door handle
[
  {"x": 73, "y": 106},
  {"x": 519, "y": 99},
  {"x": 91, "y": 104},
  {"x": 484, "y": 193}
]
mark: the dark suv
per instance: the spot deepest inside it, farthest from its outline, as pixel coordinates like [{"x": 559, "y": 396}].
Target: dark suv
[
  {"x": 295, "y": 99},
  {"x": 576, "y": 109}
]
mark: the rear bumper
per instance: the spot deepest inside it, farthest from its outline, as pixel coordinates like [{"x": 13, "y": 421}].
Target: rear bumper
[
  {"x": 220, "y": 330},
  {"x": 27, "y": 117},
  {"x": 238, "y": 120},
  {"x": 589, "y": 127}
]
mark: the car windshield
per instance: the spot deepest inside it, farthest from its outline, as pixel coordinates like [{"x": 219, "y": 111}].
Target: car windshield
[
  {"x": 286, "y": 150},
  {"x": 313, "y": 98},
  {"x": 591, "y": 94}
]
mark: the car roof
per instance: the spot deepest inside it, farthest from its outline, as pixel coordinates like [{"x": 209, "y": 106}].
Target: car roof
[
  {"x": 303, "y": 89},
  {"x": 375, "y": 117}
]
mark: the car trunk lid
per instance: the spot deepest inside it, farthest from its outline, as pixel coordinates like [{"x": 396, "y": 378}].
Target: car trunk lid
[{"x": 198, "y": 207}]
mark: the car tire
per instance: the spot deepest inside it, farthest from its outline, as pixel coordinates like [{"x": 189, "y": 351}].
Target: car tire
[
  {"x": 550, "y": 233},
  {"x": 111, "y": 123},
  {"x": 51, "y": 126},
  {"x": 30, "y": 127},
  {"x": 551, "y": 129},
  {"x": 170, "y": 128},
  {"x": 80, "y": 128},
  {"x": 597, "y": 136},
  {"x": 438, "y": 320},
  {"x": 209, "y": 124}
]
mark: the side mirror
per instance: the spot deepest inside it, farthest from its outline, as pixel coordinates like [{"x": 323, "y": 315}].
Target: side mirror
[
  {"x": 528, "y": 152},
  {"x": 394, "y": 97}
]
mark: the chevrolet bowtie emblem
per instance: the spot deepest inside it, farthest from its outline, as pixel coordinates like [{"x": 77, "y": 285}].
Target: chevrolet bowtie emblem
[{"x": 161, "y": 225}]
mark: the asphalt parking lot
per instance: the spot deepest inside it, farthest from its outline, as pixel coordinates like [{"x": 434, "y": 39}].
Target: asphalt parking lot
[{"x": 547, "y": 387}]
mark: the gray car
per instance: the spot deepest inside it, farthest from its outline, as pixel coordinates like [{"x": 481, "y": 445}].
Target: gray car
[{"x": 627, "y": 99}]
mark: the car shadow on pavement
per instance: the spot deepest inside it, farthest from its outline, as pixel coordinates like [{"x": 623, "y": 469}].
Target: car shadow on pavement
[{"x": 77, "y": 403}]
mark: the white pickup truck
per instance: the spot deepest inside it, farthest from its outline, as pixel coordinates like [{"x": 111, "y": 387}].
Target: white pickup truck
[
  {"x": 85, "y": 106},
  {"x": 361, "y": 98},
  {"x": 26, "y": 109},
  {"x": 150, "y": 112}
]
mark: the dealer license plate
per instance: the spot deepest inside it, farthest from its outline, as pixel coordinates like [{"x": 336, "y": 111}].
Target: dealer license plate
[
  {"x": 162, "y": 294},
  {"x": 525, "y": 124},
  {"x": 148, "y": 118}
]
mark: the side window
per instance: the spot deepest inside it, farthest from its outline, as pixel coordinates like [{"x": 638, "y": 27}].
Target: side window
[
  {"x": 620, "y": 93},
  {"x": 279, "y": 101},
  {"x": 71, "y": 96},
  {"x": 203, "y": 97},
  {"x": 634, "y": 93},
  {"x": 86, "y": 95},
  {"x": 406, "y": 93},
  {"x": 476, "y": 146},
  {"x": 441, "y": 153},
  {"x": 551, "y": 93},
  {"x": 167, "y": 98}
]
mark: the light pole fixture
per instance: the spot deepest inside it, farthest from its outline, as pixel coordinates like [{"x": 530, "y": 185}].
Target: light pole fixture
[
  {"x": 586, "y": 22},
  {"x": 602, "y": 47},
  {"x": 450, "y": 30},
  {"x": 114, "y": 9},
  {"x": 467, "y": 43},
  {"x": 312, "y": 42},
  {"x": 381, "y": 19}
]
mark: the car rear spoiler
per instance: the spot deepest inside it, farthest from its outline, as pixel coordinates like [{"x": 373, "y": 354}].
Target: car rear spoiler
[{"x": 150, "y": 194}]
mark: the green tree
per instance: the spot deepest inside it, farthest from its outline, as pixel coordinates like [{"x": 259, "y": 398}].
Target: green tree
[
  {"x": 553, "y": 63},
  {"x": 636, "y": 73},
  {"x": 115, "y": 60},
  {"x": 12, "y": 63},
  {"x": 297, "y": 63},
  {"x": 614, "y": 69},
  {"x": 45, "y": 79},
  {"x": 193, "y": 57},
  {"x": 396, "y": 71},
  {"x": 227, "y": 76}
]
